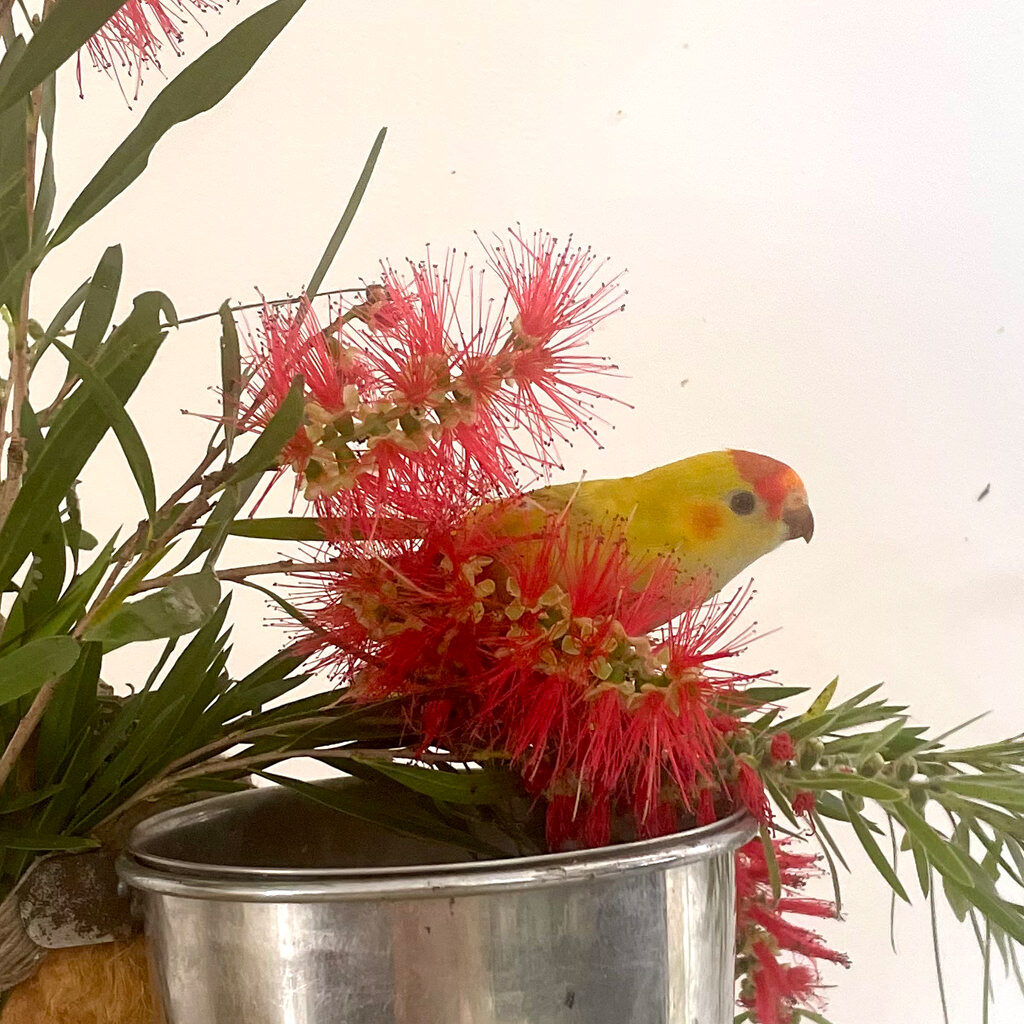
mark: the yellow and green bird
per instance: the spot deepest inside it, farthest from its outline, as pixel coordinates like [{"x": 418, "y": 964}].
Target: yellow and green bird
[{"x": 711, "y": 515}]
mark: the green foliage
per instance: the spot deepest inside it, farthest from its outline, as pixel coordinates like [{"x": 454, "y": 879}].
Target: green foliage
[
  {"x": 864, "y": 750},
  {"x": 77, "y": 429},
  {"x": 185, "y": 604},
  {"x": 199, "y": 87}
]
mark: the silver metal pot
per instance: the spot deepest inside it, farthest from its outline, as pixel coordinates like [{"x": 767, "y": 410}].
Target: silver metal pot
[{"x": 266, "y": 908}]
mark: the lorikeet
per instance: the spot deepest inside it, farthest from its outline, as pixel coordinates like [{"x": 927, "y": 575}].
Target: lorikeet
[{"x": 711, "y": 515}]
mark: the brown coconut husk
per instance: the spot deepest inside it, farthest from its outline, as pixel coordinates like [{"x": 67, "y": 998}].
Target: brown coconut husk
[{"x": 104, "y": 984}]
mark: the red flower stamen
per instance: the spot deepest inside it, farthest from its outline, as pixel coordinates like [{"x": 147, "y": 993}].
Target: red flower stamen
[{"x": 131, "y": 40}]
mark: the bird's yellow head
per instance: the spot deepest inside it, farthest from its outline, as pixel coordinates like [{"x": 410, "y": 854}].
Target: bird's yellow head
[{"x": 720, "y": 511}]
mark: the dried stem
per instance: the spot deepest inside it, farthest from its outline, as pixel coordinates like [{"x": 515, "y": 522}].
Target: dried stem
[
  {"x": 17, "y": 389},
  {"x": 25, "y": 728},
  {"x": 259, "y": 305}
]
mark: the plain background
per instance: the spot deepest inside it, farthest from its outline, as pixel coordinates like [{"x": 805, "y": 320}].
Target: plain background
[{"x": 820, "y": 208}]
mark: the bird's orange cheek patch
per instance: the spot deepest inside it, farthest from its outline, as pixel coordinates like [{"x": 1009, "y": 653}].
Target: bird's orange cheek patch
[{"x": 705, "y": 520}]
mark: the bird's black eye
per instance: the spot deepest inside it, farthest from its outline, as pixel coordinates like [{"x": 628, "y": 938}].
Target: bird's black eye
[{"x": 743, "y": 503}]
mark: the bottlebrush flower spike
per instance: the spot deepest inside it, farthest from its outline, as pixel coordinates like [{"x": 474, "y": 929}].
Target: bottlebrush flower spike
[
  {"x": 131, "y": 40},
  {"x": 530, "y": 646},
  {"x": 426, "y": 398},
  {"x": 775, "y": 957}
]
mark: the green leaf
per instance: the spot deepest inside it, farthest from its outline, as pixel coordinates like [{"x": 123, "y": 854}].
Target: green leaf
[
  {"x": 47, "y": 191},
  {"x": 197, "y": 88},
  {"x": 22, "y": 801},
  {"x": 402, "y": 812},
  {"x": 821, "y": 702},
  {"x": 341, "y": 230},
  {"x": 230, "y": 374},
  {"x": 769, "y": 694},
  {"x": 67, "y": 28},
  {"x": 25, "y": 669},
  {"x": 127, "y": 435},
  {"x": 13, "y": 208},
  {"x": 68, "y": 310},
  {"x": 214, "y": 532},
  {"x": 458, "y": 787},
  {"x": 100, "y": 300},
  {"x": 874, "y": 852},
  {"x": 772, "y": 863},
  {"x": 181, "y": 607},
  {"x": 278, "y": 432},
  {"x": 279, "y": 528},
  {"x": 940, "y": 852},
  {"x": 213, "y": 785},
  {"x": 77, "y": 430},
  {"x": 11, "y": 840},
  {"x": 842, "y": 782},
  {"x": 69, "y": 712}
]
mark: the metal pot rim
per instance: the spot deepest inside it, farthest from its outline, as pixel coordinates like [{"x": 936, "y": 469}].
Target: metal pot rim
[{"x": 154, "y": 873}]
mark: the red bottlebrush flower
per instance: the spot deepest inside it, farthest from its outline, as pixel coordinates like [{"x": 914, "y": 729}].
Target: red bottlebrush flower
[
  {"x": 131, "y": 40},
  {"x": 781, "y": 748},
  {"x": 750, "y": 792},
  {"x": 777, "y": 957},
  {"x": 803, "y": 803},
  {"x": 534, "y": 644},
  {"x": 555, "y": 288},
  {"x": 706, "y": 813},
  {"x": 424, "y": 400}
]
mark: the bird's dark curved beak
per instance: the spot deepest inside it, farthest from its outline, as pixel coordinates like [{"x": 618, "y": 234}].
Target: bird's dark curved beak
[{"x": 799, "y": 522}]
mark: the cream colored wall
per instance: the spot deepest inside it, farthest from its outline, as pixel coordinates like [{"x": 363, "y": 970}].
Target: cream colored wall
[{"x": 820, "y": 206}]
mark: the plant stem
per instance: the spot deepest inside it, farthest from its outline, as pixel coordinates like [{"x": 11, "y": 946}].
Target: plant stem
[
  {"x": 259, "y": 305},
  {"x": 18, "y": 385},
  {"x": 241, "y": 572},
  {"x": 25, "y": 728}
]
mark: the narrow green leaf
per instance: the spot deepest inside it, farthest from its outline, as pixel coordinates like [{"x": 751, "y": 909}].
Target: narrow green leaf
[
  {"x": 195, "y": 89},
  {"x": 69, "y": 712},
  {"x": 279, "y": 528},
  {"x": 213, "y": 785},
  {"x": 76, "y": 431},
  {"x": 22, "y": 801},
  {"x": 772, "y": 863},
  {"x": 278, "y": 432},
  {"x": 821, "y": 702},
  {"x": 286, "y": 606},
  {"x": 11, "y": 840},
  {"x": 874, "y": 852},
  {"x": 938, "y": 957},
  {"x": 99, "y": 303},
  {"x": 214, "y": 532},
  {"x": 770, "y": 694},
  {"x": 184, "y": 605},
  {"x": 459, "y": 787},
  {"x": 71, "y": 306},
  {"x": 25, "y": 669},
  {"x": 942, "y": 854},
  {"x": 47, "y": 191},
  {"x": 842, "y": 782},
  {"x": 127, "y": 435},
  {"x": 13, "y": 208},
  {"x": 230, "y": 374},
  {"x": 341, "y": 230},
  {"x": 403, "y": 812}
]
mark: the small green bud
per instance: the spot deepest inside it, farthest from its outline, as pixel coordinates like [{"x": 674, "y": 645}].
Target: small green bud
[
  {"x": 872, "y": 765},
  {"x": 808, "y": 753},
  {"x": 905, "y": 768}
]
